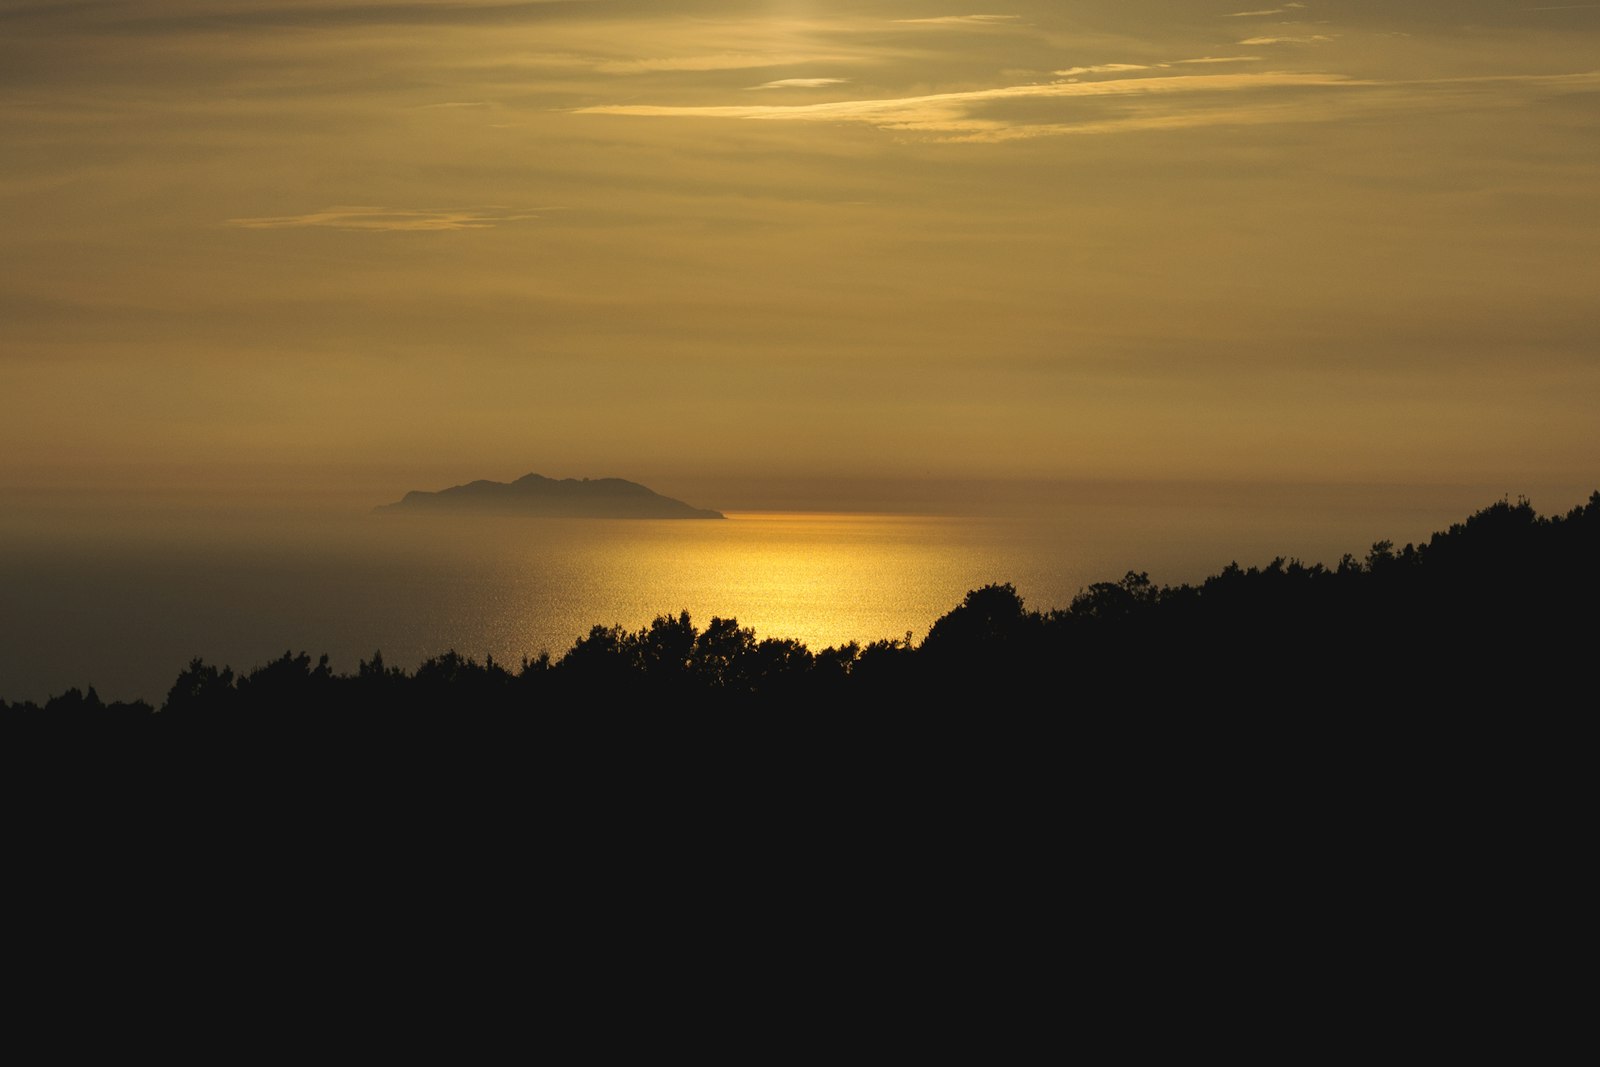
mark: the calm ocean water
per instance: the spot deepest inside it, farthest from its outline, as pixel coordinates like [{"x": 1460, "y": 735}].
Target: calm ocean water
[{"x": 125, "y": 606}]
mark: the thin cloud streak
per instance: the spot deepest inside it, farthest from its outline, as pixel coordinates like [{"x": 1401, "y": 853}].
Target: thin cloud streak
[
  {"x": 1313, "y": 38},
  {"x": 357, "y": 217},
  {"x": 965, "y": 20},
  {"x": 721, "y": 61},
  {"x": 1284, "y": 10},
  {"x": 1373, "y": 98},
  {"x": 799, "y": 83},
  {"x": 1103, "y": 68},
  {"x": 957, "y": 113},
  {"x": 952, "y": 111}
]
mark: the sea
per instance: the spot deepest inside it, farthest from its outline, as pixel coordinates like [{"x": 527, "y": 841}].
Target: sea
[{"x": 123, "y": 603}]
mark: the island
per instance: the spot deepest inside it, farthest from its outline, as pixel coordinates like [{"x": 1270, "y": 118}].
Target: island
[{"x": 536, "y": 495}]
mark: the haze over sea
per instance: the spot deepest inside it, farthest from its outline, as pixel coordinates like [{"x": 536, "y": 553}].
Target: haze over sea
[{"x": 123, "y": 599}]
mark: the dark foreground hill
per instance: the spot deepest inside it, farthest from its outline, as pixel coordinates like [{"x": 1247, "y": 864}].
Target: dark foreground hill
[
  {"x": 536, "y": 495},
  {"x": 1304, "y": 772}
]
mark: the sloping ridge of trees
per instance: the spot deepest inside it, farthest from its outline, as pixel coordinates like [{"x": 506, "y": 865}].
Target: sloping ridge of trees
[{"x": 1496, "y": 608}]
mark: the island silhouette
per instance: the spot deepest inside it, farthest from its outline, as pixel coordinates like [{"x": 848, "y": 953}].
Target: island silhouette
[{"x": 537, "y": 496}]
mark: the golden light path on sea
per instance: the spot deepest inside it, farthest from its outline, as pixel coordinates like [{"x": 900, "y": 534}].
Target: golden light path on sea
[{"x": 820, "y": 578}]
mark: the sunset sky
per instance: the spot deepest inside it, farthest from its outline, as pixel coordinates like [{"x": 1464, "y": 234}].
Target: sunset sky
[{"x": 375, "y": 245}]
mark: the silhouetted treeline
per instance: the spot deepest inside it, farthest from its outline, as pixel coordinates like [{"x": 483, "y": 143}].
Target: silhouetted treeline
[{"x": 1501, "y": 607}]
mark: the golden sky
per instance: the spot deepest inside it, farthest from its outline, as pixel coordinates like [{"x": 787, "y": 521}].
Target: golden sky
[{"x": 384, "y": 245}]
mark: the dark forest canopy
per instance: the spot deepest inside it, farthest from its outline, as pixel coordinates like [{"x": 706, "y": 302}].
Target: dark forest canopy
[{"x": 1497, "y": 606}]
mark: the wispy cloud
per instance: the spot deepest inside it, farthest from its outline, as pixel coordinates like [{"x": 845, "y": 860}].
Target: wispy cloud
[
  {"x": 716, "y": 61},
  {"x": 965, "y": 20},
  {"x": 1103, "y": 68},
  {"x": 1267, "y": 97},
  {"x": 353, "y": 217},
  {"x": 958, "y": 112},
  {"x": 1284, "y": 10},
  {"x": 799, "y": 83},
  {"x": 1310, "y": 38}
]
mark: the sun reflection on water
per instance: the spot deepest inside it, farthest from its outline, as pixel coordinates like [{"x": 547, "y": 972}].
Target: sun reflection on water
[{"x": 823, "y": 579}]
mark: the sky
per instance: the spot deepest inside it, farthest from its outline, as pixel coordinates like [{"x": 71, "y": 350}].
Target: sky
[{"x": 365, "y": 246}]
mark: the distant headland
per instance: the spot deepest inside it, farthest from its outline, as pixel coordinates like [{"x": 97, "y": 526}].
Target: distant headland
[{"x": 536, "y": 495}]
